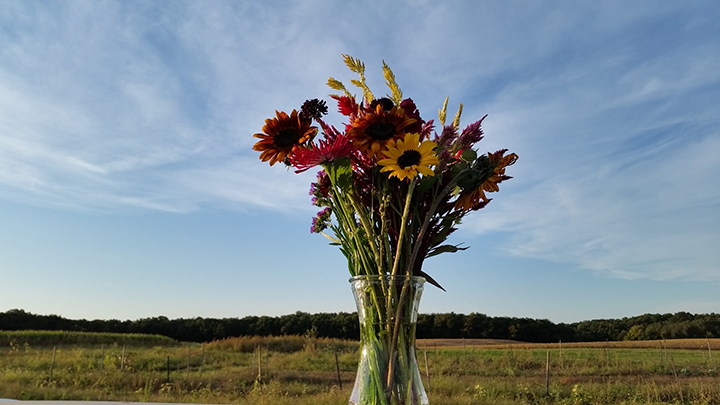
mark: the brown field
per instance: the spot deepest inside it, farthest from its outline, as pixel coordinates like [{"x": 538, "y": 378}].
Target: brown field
[
  {"x": 687, "y": 344},
  {"x": 455, "y": 343}
]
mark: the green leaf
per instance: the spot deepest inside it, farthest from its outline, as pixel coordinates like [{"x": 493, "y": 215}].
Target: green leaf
[
  {"x": 469, "y": 155},
  {"x": 430, "y": 279},
  {"x": 425, "y": 184},
  {"x": 470, "y": 179},
  {"x": 340, "y": 173},
  {"x": 446, "y": 224},
  {"x": 446, "y": 249}
]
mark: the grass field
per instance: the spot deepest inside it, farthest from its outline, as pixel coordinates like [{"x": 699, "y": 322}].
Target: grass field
[{"x": 302, "y": 370}]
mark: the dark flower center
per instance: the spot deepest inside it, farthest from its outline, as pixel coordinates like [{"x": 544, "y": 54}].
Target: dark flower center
[
  {"x": 409, "y": 158},
  {"x": 380, "y": 131},
  {"x": 287, "y": 137},
  {"x": 385, "y": 102}
]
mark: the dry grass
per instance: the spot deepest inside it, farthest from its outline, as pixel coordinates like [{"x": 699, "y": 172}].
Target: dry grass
[{"x": 462, "y": 372}]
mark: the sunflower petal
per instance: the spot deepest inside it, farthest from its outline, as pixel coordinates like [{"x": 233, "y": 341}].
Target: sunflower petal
[{"x": 425, "y": 171}]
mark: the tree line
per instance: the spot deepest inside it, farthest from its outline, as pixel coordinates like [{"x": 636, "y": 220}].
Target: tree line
[{"x": 345, "y": 326}]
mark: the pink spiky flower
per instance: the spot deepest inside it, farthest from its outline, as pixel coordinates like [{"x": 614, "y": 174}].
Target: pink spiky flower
[{"x": 326, "y": 150}]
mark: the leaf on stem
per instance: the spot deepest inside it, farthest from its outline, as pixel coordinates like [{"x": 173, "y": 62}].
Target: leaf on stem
[
  {"x": 430, "y": 279},
  {"x": 340, "y": 173},
  {"x": 446, "y": 249},
  {"x": 426, "y": 184}
]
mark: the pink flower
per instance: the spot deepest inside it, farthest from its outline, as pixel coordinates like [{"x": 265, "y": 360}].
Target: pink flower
[{"x": 326, "y": 150}]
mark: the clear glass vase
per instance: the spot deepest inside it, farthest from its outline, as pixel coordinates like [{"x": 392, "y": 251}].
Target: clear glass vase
[{"x": 388, "y": 372}]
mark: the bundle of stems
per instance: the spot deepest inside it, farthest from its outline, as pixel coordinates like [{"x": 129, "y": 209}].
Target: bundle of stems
[{"x": 391, "y": 190}]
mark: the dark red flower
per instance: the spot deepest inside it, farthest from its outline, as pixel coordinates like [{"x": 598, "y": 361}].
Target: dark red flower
[{"x": 411, "y": 110}]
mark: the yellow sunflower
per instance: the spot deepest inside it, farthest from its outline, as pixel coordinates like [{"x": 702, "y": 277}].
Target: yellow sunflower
[
  {"x": 281, "y": 134},
  {"x": 375, "y": 129},
  {"x": 407, "y": 157},
  {"x": 471, "y": 200}
]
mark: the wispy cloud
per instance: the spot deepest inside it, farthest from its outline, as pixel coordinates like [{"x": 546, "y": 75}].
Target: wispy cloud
[
  {"x": 618, "y": 157},
  {"x": 612, "y": 107},
  {"x": 134, "y": 105}
]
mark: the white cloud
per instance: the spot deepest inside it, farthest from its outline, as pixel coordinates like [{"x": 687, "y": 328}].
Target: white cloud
[
  {"x": 125, "y": 104},
  {"x": 634, "y": 198},
  {"x": 618, "y": 150}
]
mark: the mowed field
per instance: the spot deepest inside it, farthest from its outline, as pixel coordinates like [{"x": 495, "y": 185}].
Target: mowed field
[{"x": 302, "y": 370}]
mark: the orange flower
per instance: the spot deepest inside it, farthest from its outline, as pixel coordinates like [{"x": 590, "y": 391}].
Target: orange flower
[
  {"x": 374, "y": 129},
  {"x": 471, "y": 200},
  {"x": 280, "y": 135}
]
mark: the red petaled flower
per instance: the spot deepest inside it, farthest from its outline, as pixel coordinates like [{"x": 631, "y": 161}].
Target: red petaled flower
[
  {"x": 346, "y": 105},
  {"x": 411, "y": 110},
  {"x": 326, "y": 150},
  {"x": 374, "y": 130},
  {"x": 281, "y": 134}
]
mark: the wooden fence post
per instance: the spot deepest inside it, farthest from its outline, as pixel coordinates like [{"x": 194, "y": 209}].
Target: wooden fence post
[
  {"x": 337, "y": 367},
  {"x": 607, "y": 353},
  {"x": 709, "y": 351},
  {"x": 562, "y": 362},
  {"x": 259, "y": 362},
  {"x": 187, "y": 370},
  {"x": 547, "y": 374},
  {"x": 672, "y": 359},
  {"x": 202, "y": 361},
  {"x": 427, "y": 370},
  {"x": 52, "y": 363}
]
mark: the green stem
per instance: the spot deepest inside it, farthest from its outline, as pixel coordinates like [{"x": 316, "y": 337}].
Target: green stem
[
  {"x": 398, "y": 250},
  {"x": 346, "y": 222},
  {"x": 403, "y": 226},
  {"x": 332, "y": 239},
  {"x": 371, "y": 238},
  {"x": 428, "y": 217},
  {"x": 384, "y": 245},
  {"x": 396, "y": 330}
]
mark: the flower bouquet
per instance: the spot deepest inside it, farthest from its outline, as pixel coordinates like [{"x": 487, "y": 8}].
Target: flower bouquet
[{"x": 392, "y": 190}]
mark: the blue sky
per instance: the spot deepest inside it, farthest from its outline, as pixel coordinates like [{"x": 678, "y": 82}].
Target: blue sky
[{"x": 129, "y": 187}]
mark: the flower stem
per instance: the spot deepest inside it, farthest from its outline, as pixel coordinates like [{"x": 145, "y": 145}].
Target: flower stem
[
  {"x": 371, "y": 239},
  {"x": 399, "y": 248},
  {"x": 403, "y": 227},
  {"x": 396, "y": 330},
  {"x": 346, "y": 222},
  {"x": 428, "y": 217}
]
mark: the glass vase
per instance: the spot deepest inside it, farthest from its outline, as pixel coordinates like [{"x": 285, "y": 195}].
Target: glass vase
[{"x": 388, "y": 372}]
